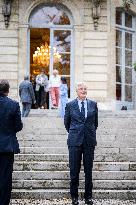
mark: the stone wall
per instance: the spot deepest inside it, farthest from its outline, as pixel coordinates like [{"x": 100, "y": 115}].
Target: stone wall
[
  {"x": 9, "y": 49},
  {"x": 95, "y": 53}
]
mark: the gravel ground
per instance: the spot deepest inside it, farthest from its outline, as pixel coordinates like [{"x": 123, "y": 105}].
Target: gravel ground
[{"x": 68, "y": 202}]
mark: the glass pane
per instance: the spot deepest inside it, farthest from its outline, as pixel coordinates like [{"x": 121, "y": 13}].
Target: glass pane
[
  {"x": 118, "y": 92},
  {"x": 118, "y": 38},
  {"x": 118, "y": 56},
  {"x": 62, "y": 40},
  {"x": 128, "y": 20},
  {"x": 128, "y": 40},
  {"x": 118, "y": 17},
  {"x": 128, "y": 93},
  {"x": 118, "y": 74},
  {"x": 63, "y": 65},
  {"x": 128, "y": 58},
  {"x": 128, "y": 76},
  {"x": 49, "y": 15},
  {"x": 39, "y": 50}
]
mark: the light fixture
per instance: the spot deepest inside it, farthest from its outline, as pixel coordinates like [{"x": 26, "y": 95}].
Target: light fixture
[
  {"x": 6, "y": 11},
  {"x": 41, "y": 56},
  {"x": 96, "y": 10}
]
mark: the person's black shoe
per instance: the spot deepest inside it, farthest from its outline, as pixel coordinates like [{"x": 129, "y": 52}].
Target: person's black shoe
[
  {"x": 75, "y": 201},
  {"x": 89, "y": 201}
]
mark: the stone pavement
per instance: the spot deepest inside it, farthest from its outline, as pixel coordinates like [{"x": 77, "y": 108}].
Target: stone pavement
[{"x": 68, "y": 202}]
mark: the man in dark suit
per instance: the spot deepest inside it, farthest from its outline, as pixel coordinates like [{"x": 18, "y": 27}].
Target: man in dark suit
[
  {"x": 10, "y": 124},
  {"x": 81, "y": 122},
  {"x": 27, "y": 96}
]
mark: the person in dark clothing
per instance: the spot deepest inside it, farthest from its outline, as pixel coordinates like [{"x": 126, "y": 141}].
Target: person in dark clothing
[
  {"x": 81, "y": 122},
  {"x": 10, "y": 124},
  {"x": 33, "y": 81},
  {"x": 27, "y": 96}
]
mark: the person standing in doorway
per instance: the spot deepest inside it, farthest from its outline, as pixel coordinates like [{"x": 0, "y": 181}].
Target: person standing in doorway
[
  {"x": 41, "y": 89},
  {"x": 27, "y": 96},
  {"x": 54, "y": 84},
  {"x": 81, "y": 122},
  {"x": 33, "y": 81},
  {"x": 10, "y": 124},
  {"x": 63, "y": 96}
]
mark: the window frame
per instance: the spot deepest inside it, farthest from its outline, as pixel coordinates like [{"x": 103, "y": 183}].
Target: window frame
[{"x": 123, "y": 66}]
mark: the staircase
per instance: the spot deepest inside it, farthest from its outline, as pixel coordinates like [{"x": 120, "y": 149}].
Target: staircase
[{"x": 41, "y": 169}]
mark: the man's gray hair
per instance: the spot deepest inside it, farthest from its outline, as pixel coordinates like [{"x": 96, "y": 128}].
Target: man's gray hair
[
  {"x": 79, "y": 84},
  {"x": 4, "y": 86},
  {"x": 26, "y": 77}
]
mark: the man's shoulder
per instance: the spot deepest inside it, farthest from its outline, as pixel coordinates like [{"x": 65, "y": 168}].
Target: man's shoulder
[
  {"x": 92, "y": 101},
  {"x": 12, "y": 102},
  {"x": 72, "y": 102},
  {"x": 29, "y": 83},
  {"x": 21, "y": 83},
  {"x": 24, "y": 83}
]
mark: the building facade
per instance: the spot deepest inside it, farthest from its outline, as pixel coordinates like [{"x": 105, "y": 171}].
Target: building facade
[{"x": 86, "y": 40}]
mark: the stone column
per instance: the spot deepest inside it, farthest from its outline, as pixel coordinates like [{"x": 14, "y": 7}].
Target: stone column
[
  {"x": 111, "y": 71},
  {"x": 78, "y": 54},
  {"x": 23, "y": 52}
]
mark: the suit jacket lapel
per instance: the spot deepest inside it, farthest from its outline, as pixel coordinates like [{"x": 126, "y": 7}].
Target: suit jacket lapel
[
  {"x": 88, "y": 107},
  {"x": 76, "y": 107}
]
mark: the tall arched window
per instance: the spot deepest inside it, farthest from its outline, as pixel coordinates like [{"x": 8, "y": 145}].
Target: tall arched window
[{"x": 51, "y": 32}]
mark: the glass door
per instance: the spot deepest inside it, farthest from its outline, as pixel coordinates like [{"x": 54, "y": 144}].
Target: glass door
[{"x": 61, "y": 44}]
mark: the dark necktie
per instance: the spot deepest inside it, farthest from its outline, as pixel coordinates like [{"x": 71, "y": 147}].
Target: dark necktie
[{"x": 83, "y": 109}]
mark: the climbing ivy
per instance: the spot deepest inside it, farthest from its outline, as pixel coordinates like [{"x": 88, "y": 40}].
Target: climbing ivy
[{"x": 127, "y": 3}]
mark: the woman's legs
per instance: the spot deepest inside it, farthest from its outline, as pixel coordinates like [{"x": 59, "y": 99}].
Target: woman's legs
[
  {"x": 57, "y": 95},
  {"x": 53, "y": 96}
]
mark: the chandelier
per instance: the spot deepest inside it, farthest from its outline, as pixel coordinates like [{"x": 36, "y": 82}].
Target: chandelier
[{"x": 41, "y": 56}]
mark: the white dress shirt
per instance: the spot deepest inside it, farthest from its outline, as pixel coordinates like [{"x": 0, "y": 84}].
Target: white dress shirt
[{"x": 80, "y": 105}]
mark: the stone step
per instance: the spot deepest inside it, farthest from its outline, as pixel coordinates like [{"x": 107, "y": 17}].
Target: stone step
[
  {"x": 113, "y": 124},
  {"x": 61, "y": 166},
  {"x": 42, "y": 137},
  {"x": 119, "y": 142},
  {"x": 103, "y": 123},
  {"x": 105, "y": 113},
  {"x": 33, "y": 131},
  {"x": 44, "y": 150},
  {"x": 97, "y": 175},
  {"x": 117, "y": 122},
  {"x": 64, "y": 150},
  {"x": 64, "y": 184},
  {"x": 63, "y": 193},
  {"x": 37, "y": 131},
  {"x": 64, "y": 157},
  {"x": 63, "y": 137}
]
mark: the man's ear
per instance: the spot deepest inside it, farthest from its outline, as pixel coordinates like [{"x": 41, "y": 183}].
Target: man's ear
[{"x": 6, "y": 93}]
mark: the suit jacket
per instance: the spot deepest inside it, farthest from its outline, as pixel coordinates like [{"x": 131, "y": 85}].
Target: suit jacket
[
  {"x": 78, "y": 127},
  {"x": 10, "y": 124},
  {"x": 26, "y": 92}
]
